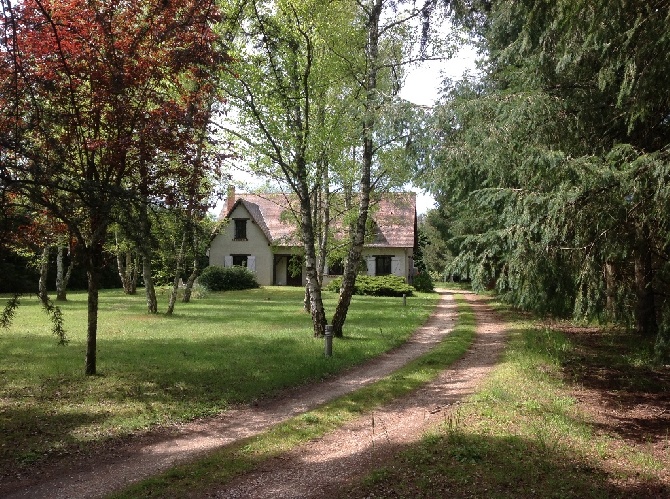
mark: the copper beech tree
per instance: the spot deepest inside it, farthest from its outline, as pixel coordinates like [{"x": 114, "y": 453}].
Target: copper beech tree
[{"x": 97, "y": 97}]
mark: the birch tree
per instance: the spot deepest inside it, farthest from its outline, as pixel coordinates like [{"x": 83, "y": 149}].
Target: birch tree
[{"x": 281, "y": 70}]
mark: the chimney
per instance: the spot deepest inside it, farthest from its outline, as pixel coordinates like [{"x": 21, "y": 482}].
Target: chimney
[{"x": 230, "y": 200}]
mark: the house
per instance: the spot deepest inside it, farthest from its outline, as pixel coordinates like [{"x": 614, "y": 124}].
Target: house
[{"x": 261, "y": 234}]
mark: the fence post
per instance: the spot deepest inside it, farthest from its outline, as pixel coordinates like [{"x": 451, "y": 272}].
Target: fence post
[{"x": 328, "y": 336}]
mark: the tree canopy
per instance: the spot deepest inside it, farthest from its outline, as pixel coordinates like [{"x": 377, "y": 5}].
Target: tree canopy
[
  {"x": 98, "y": 96},
  {"x": 555, "y": 163}
]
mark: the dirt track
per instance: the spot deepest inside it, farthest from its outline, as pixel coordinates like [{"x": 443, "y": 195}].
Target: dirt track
[{"x": 314, "y": 470}]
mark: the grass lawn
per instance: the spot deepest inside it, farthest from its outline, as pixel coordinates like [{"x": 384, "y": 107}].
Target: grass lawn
[
  {"x": 200, "y": 478},
  {"x": 572, "y": 413},
  {"x": 222, "y": 349}
]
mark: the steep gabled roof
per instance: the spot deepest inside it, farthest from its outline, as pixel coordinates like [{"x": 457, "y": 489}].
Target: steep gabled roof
[
  {"x": 271, "y": 212},
  {"x": 393, "y": 218}
]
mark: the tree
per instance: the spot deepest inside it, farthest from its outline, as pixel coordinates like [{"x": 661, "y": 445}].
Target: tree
[
  {"x": 281, "y": 79},
  {"x": 315, "y": 87},
  {"x": 433, "y": 242},
  {"x": 96, "y": 94},
  {"x": 127, "y": 258},
  {"x": 558, "y": 159},
  {"x": 389, "y": 31},
  {"x": 63, "y": 248}
]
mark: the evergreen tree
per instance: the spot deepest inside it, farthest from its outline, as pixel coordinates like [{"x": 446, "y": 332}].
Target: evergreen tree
[{"x": 558, "y": 160}]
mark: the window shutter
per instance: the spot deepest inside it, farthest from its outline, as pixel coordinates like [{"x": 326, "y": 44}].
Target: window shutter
[
  {"x": 395, "y": 266},
  {"x": 228, "y": 261},
  {"x": 251, "y": 263},
  {"x": 372, "y": 261}
]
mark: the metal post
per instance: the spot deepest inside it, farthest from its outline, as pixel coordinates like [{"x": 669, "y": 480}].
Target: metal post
[
  {"x": 404, "y": 300},
  {"x": 328, "y": 335}
]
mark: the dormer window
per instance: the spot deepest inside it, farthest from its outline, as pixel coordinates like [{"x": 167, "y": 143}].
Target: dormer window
[{"x": 240, "y": 229}]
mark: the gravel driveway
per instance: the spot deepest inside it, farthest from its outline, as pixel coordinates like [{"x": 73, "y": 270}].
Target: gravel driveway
[{"x": 316, "y": 469}]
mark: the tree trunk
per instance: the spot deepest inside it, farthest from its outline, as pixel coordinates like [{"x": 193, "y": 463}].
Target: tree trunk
[
  {"x": 146, "y": 253},
  {"x": 307, "y": 300},
  {"x": 316, "y": 301},
  {"x": 610, "y": 291},
  {"x": 61, "y": 295},
  {"x": 175, "y": 284},
  {"x": 92, "y": 330},
  {"x": 42, "y": 284},
  {"x": 365, "y": 185},
  {"x": 94, "y": 261},
  {"x": 63, "y": 280},
  {"x": 127, "y": 271},
  {"x": 133, "y": 261},
  {"x": 307, "y": 226},
  {"x": 323, "y": 216},
  {"x": 645, "y": 307},
  {"x": 150, "y": 290},
  {"x": 351, "y": 266},
  {"x": 188, "y": 289}
]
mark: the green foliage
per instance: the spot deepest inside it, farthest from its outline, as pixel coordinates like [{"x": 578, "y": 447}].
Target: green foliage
[
  {"x": 387, "y": 285},
  {"x": 554, "y": 167},
  {"x": 235, "y": 278},
  {"x": 54, "y": 312},
  {"x": 56, "y": 316},
  {"x": 423, "y": 282},
  {"x": 434, "y": 236},
  {"x": 9, "y": 311}
]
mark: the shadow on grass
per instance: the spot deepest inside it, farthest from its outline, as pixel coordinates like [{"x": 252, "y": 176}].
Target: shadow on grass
[
  {"x": 617, "y": 365},
  {"x": 25, "y": 430},
  {"x": 153, "y": 378},
  {"x": 459, "y": 464},
  {"x": 154, "y": 381}
]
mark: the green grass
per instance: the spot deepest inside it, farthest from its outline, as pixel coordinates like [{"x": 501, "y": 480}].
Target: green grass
[
  {"x": 221, "y": 466},
  {"x": 524, "y": 435},
  {"x": 223, "y": 349}
]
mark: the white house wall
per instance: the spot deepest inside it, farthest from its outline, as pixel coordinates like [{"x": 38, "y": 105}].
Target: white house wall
[
  {"x": 255, "y": 245},
  {"x": 402, "y": 260}
]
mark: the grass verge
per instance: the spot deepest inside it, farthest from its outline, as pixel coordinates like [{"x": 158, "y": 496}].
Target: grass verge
[
  {"x": 221, "y": 466},
  {"x": 526, "y": 434},
  {"x": 223, "y": 349}
]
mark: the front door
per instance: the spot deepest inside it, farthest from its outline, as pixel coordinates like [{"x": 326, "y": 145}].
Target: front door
[
  {"x": 293, "y": 280},
  {"x": 288, "y": 270}
]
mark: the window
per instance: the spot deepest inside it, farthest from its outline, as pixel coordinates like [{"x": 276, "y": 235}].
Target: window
[
  {"x": 383, "y": 265},
  {"x": 240, "y": 260},
  {"x": 240, "y": 229}
]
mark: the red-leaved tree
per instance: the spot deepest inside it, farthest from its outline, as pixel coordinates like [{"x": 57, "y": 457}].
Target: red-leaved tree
[{"x": 96, "y": 96}]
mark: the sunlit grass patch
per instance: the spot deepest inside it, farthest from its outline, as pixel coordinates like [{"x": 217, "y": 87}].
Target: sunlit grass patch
[
  {"x": 223, "y": 349},
  {"x": 223, "y": 465}
]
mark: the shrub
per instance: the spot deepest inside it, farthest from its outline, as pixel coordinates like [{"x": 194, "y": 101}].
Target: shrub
[
  {"x": 383, "y": 285},
  {"x": 216, "y": 278},
  {"x": 423, "y": 282}
]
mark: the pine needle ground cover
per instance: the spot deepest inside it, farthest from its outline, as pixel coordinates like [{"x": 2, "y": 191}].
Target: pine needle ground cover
[{"x": 222, "y": 349}]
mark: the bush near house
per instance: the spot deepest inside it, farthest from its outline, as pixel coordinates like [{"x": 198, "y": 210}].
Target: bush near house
[
  {"x": 423, "y": 282},
  {"x": 234, "y": 278},
  {"x": 383, "y": 285}
]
